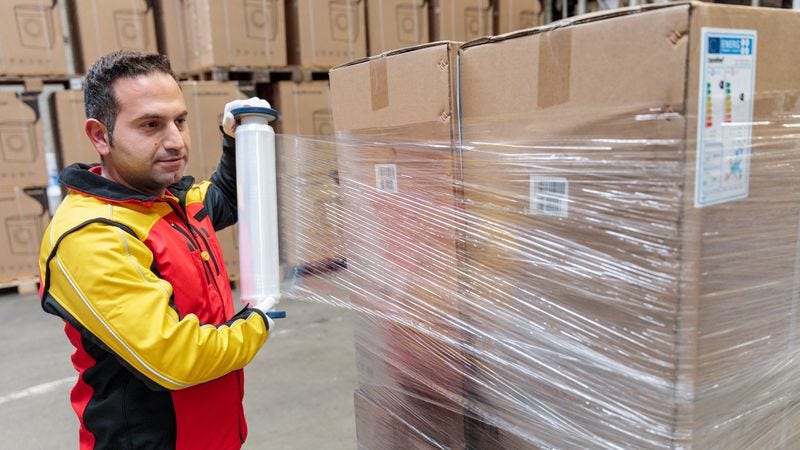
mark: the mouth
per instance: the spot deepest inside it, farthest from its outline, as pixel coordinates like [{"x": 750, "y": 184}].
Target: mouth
[
  {"x": 173, "y": 159},
  {"x": 171, "y": 162}
]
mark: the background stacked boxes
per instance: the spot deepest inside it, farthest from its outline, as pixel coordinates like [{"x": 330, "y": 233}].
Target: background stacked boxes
[
  {"x": 603, "y": 253},
  {"x": 279, "y": 49}
]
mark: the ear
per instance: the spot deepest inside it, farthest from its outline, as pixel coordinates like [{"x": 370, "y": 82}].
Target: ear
[{"x": 98, "y": 136}]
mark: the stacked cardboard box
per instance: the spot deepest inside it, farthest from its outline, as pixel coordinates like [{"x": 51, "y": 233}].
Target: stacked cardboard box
[
  {"x": 461, "y": 20},
  {"x": 31, "y": 39},
  {"x": 515, "y": 15},
  {"x": 627, "y": 244},
  {"x": 171, "y": 34},
  {"x": 394, "y": 24},
  {"x": 22, "y": 218},
  {"x": 398, "y": 205},
  {"x": 21, "y": 142},
  {"x": 70, "y": 116},
  {"x": 326, "y": 33},
  {"x": 249, "y": 33},
  {"x": 101, "y": 27},
  {"x": 645, "y": 166}
]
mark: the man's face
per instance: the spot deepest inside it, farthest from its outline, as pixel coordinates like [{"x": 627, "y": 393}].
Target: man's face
[{"x": 150, "y": 137}]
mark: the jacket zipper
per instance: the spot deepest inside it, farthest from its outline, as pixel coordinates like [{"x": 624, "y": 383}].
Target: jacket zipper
[
  {"x": 194, "y": 234},
  {"x": 205, "y": 241}
]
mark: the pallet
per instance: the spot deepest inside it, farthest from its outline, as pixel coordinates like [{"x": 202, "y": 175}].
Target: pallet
[
  {"x": 25, "y": 286},
  {"x": 36, "y": 83},
  {"x": 251, "y": 75}
]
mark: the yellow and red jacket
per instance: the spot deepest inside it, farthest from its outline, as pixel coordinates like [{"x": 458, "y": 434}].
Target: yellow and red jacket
[{"x": 141, "y": 285}]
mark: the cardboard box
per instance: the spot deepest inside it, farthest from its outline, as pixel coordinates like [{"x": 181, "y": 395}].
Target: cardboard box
[
  {"x": 308, "y": 189},
  {"x": 245, "y": 33},
  {"x": 325, "y": 33},
  {"x": 70, "y": 116},
  {"x": 398, "y": 204},
  {"x": 632, "y": 179},
  {"x": 22, "y": 221},
  {"x": 31, "y": 38},
  {"x": 461, "y": 20},
  {"x": 377, "y": 425},
  {"x": 172, "y": 35},
  {"x": 21, "y": 142},
  {"x": 304, "y": 108},
  {"x": 515, "y": 15},
  {"x": 101, "y": 27},
  {"x": 394, "y": 24}
]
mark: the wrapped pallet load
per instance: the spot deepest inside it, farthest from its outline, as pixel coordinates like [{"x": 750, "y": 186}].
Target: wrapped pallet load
[{"x": 582, "y": 235}]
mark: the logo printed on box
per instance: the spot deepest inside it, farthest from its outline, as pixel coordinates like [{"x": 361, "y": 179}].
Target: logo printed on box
[
  {"x": 17, "y": 142},
  {"x": 35, "y": 26},
  {"x": 409, "y": 23},
  {"x": 476, "y": 21},
  {"x": 344, "y": 20},
  {"x": 323, "y": 126},
  {"x": 132, "y": 31},
  {"x": 22, "y": 233},
  {"x": 261, "y": 19}
]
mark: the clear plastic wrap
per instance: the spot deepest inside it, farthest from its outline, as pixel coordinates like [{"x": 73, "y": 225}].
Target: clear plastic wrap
[
  {"x": 566, "y": 292},
  {"x": 596, "y": 247}
]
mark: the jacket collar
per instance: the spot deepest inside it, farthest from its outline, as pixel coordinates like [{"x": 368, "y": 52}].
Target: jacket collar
[{"x": 86, "y": 178}]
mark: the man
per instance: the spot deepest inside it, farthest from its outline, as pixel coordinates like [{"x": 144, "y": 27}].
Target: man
[{"x": 131, "y": 262}]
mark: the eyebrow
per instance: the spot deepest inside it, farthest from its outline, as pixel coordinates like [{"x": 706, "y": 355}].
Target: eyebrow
[{"x": 150, "y": 116}]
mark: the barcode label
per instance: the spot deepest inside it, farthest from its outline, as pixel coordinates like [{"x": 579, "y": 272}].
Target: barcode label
[
  {"x": 386, "y": 177},
  {"x": 549, "y": 196}
]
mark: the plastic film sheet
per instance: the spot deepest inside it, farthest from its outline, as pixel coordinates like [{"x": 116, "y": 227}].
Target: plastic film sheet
[{"x": 559, "y": 290}]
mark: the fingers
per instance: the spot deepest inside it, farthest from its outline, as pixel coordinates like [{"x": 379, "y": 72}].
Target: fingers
[{"x": 229, "y": 122}]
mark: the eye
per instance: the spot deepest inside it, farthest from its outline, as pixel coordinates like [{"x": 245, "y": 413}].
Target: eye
[
  {"x": 180, "y": 123},
  {"x": 150, "y": 124}
]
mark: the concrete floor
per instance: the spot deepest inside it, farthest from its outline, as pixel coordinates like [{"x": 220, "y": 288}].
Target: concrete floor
[{"x": 299, "y": 389}]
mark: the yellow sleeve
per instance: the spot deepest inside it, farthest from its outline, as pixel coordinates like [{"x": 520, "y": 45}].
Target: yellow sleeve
[{"x": 101, "y": 279}]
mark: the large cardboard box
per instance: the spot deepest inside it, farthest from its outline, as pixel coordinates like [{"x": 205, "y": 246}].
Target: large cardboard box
[
  {"x": 394, "y": 118},
  {"x": 515, "y": 15},
  {"x": 378, "y": 425},
  {"x": 22, "y": 221},
  {"x": 205, "y": 102},
  {"x": 21, "y": 142},
  {"x": 632, "y": 179},
  {"x": 325, "y": 33},
  {"x": 100, "y": 27},
  {"x": 461, "y": 20},
  {"x": 394, "y": 24},
  {"x": 308, "y": 188},
  {"x": 172, "y": 34},
  {"x": 245, "y": 33},
  {"x": 304, "y": 108},
  {"x": 31, "y": 38},
  {"x": 70, "y": 116}
]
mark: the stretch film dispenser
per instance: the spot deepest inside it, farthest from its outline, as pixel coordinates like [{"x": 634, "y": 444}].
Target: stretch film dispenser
[{"x": 256, "y": 186}]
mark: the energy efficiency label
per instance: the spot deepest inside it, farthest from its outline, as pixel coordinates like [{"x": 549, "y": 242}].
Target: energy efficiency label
[{"x": 725, "y": 115}]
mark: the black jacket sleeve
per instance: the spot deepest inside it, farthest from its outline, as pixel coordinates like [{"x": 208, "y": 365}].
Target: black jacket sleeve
[{"x": 220, "y": 201}]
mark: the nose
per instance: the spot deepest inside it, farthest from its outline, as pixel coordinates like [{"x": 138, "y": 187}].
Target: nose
[{"x": 173, "y": 138}]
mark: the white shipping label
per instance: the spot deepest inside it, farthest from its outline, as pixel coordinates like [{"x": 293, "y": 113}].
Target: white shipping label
[
  {"x": 548, "y": 196},
  {"x": 386, "y": 177},
  {"x": 725, "y": 115}
]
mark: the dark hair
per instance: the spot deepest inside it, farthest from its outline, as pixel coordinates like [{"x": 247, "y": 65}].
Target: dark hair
[{"x": 98, "y": 86}]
